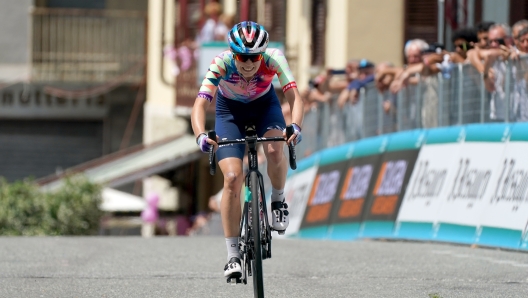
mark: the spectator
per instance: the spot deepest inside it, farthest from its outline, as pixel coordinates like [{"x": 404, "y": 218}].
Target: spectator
[
  {"x": 430, "y": 58},
  {"x": 413, "y": 51},
  {"x": 516, "y": 29},
  {"x": 463, "y": 40},
  {"x": 388, "y": 77},
  {"x": 383, "y": 77},
  {"x": 351, "y": 93},
  {"x": 226, "y": 22},
  {"x": 521, "y": 77},
  {"x": 474, "y": 55},
  {"x": 501, "y": 49},
  {"x": 435, "y": 59},
  {"x": 207, "y": 33},
  {"x": 522, "y": 41},
  {"x": 482, "y": 34},
  {"x": 315, "y": 94},
  {"x": 336, "y": 85}
]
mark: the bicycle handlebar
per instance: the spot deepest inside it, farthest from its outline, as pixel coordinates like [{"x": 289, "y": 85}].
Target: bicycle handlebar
[{"x": 291, "y": 148}]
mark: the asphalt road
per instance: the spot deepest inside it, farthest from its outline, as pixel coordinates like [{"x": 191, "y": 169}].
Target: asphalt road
[{"x": 192, "y": 267}]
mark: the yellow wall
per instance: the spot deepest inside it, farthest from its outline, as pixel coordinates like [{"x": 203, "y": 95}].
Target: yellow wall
[
  {"x": 298, "y": 39},
  {"x": 160, "y": 121},
  {"x": 336, "y": 53},
  {"x": 375, "y": 30}
]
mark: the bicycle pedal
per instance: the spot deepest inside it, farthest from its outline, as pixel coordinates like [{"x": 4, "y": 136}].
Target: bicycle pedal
[
  {"x": 280, "y": 232},
  {"x": 234, "y": 280}
]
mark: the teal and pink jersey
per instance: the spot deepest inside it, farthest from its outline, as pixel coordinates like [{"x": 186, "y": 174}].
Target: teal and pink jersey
[{"x": 222, "y": 74}]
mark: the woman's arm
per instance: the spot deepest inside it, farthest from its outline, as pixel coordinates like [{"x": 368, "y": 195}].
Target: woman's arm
[
  {"x": 296, "y": 105},
  {"x": 198, "y": 118}
]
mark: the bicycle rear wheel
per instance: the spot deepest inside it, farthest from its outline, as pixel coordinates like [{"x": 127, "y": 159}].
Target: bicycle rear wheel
[{"x": 258, "y": 278}]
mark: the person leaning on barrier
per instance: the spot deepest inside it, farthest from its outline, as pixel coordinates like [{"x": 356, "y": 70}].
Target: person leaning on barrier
[
  {"x": 521, "y": 76},
  {"x": 383, "y": 76},
  {"x": 495, "y": 68},
  {"x": 337, "y": 80},
  {"x": 482, "y": 34},
  {"x": 516, "y": 30},
  {"x": 351, "y": 92},
  {"x": 463, "y": 40},
  {"x": 432, "y": 59},
  {"x": 474, "y": 55},
  {"x": 315, "y": 93},
  {"x": 387, "y": 74}
]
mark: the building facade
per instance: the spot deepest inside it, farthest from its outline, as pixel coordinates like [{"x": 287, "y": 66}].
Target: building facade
[{"x": 70, "y": 75}]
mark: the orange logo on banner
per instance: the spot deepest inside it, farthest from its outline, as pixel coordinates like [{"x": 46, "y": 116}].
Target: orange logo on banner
[
  {"x": 318, "y": 213},
  {"x": 384, "y": 205},
  {"x": 314, "y": 188},
  {"x": 380, "y": 177},
  {"x": 351, "y": 208},
  {"x": 347, "y": 183}
]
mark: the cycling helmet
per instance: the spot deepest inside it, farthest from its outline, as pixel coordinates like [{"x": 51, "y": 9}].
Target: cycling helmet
[{"x": 248, "y": 38}]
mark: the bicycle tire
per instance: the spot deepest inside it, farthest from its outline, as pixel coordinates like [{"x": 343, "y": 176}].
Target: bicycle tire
[{"x": 258, "y": 278}]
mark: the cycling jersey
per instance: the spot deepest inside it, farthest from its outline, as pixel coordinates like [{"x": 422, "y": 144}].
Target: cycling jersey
[{"x": 222, "y": 74}]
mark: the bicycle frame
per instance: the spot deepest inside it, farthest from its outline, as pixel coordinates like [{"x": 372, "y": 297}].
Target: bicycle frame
[{"x": 255, "y": 240}]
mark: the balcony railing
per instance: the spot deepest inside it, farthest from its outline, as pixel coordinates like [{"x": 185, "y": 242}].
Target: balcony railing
[{"x": 87, "y": 46}]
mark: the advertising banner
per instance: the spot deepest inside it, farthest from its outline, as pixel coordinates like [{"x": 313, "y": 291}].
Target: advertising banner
[
  {"x": 435, "y": 166},
  {"x": 323, "y": 192},
  {"x": 296, "y": 192},
  {"x": 475, "y": 170},
  {"x": 383, "y": 202},
  {"x": 357, "y": 184},
  {"x": 507, "y": 200},
  {"x": 504, "y": 220}
]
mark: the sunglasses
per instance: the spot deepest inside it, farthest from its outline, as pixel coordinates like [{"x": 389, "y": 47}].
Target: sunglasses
[
  {"x": 463, "y": 46},
  {"x": 498, "y": 40},
  {"x": 244, "y": 58}
]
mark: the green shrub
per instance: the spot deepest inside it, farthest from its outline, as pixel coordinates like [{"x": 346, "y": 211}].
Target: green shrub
[{"x": 71, "y": 210}]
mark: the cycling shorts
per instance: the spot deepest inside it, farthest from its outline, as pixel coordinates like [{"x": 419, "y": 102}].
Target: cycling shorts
[{"x": 264, "y": 112}]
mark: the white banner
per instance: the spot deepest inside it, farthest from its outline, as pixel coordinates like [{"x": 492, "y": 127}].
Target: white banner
[
  {"x": 435, "y": 167},
  {"x": 464, "y": 196},
  {"x": 507, "y": 198},
  {"x": 297, "y": 192}
]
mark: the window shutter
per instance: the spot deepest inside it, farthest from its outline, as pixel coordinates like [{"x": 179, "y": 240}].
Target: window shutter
[
  {"x": 421, "y": 19},
  {"x": 318, "y": 32},
  {"x": 518, "y": 10},
  {"x": 275, "y": 16}
]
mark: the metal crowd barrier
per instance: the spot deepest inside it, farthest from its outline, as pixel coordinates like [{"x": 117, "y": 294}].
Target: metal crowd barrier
[{"x": 459, "y": 97}]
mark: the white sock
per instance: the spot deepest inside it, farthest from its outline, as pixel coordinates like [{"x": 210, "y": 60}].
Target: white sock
[
  {"x": 277, "y": 195},
  {"x": 232, "y": 248}
]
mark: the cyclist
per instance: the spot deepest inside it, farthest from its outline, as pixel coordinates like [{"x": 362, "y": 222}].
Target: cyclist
[{"x": 243, "y": 76}]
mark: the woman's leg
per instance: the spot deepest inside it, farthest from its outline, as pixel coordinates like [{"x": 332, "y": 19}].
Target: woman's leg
[
  {"x": 230, "y": 206},
  {"x": 277, "y": 164}
]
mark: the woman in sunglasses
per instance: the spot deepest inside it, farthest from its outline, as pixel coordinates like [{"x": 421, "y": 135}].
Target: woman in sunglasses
[{"x": 243, "y": 78}]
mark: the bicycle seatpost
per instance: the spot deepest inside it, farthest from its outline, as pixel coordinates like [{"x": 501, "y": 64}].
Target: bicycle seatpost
[
  {"x": 212, "y": 163},
  {"x": 291, "y": 147}
]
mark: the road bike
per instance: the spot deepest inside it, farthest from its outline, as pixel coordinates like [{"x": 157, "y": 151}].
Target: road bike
[{"x": 254, "y": 235}]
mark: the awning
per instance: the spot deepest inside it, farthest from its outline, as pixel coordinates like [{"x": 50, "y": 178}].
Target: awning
[
  {"x": 118, "y": 201},
  {"x": 132, "y": 164}
]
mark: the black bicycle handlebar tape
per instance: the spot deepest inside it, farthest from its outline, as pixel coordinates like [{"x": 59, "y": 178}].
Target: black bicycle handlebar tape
[
  {"x": 212, "y": 163},
  {"x": 291, "y": 147}
]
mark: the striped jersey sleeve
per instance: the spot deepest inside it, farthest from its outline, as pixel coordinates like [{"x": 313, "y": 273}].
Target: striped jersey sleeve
[
  {"x": 279, "y": 64},
  {"x": 217, "y": 71}
]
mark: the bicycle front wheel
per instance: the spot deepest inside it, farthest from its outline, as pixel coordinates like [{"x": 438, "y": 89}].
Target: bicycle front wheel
[{"x": 258, "y": 278}]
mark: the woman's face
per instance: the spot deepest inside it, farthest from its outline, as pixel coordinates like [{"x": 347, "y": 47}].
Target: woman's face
[{"x": 247, "y": 65}]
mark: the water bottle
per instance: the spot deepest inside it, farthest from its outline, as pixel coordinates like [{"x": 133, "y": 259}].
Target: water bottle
[{"x": 445, "y": 67}]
